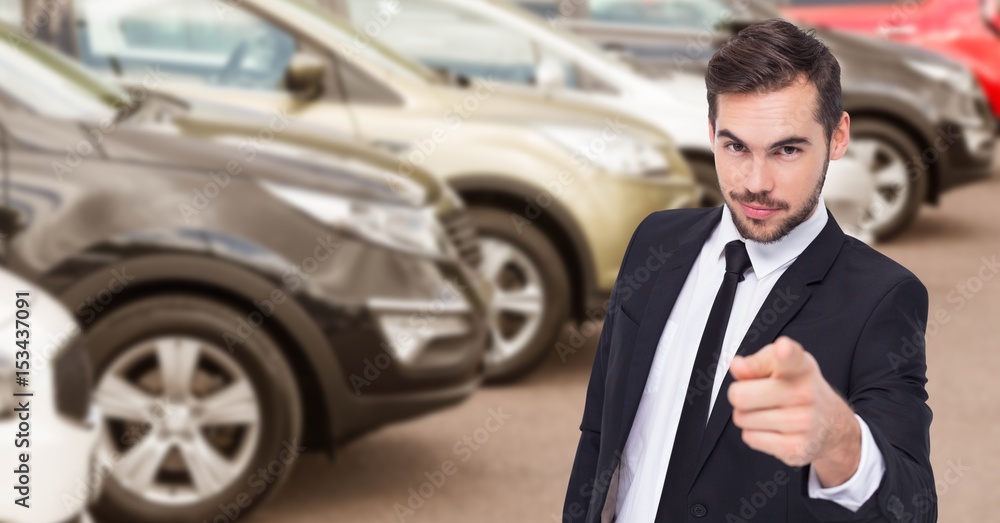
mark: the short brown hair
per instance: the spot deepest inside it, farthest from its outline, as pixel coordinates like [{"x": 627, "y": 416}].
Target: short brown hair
[{"x": 771, "y": 55}]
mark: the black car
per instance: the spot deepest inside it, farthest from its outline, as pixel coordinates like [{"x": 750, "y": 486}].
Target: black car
[{"x": 240, "y": 306}]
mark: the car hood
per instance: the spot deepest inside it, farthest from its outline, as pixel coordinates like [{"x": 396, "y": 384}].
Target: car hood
[
  {"x": 214, "y": 138},
  {"x": 525, "y": 106}
]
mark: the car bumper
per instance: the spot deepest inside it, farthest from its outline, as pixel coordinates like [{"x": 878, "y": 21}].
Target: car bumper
[
  {"x": 968, "y": 154},
  {"x": 409, "y": 333}
]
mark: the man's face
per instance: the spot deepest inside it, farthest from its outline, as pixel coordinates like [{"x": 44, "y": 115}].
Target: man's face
[{"x": 771, "y": 154}]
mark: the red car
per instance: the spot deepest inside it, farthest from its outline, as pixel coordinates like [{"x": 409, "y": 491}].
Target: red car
[{"x": 965, "y": 30}]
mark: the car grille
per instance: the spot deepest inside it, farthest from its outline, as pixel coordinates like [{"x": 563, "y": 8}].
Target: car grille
[{"x": 461, "y": 232}]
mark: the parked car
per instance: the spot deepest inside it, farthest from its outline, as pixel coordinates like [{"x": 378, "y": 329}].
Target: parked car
[
  {"x": 965, "y": 30},
  {"x": 919, "y": 121},
  {"x": 497, "y": 41},
  {"x": 51, "y": 435},
  {"x": 240, "y": 306},
  {"x": 554, "y": 188}
]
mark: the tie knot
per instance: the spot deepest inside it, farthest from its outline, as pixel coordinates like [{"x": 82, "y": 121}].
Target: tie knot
[{"x": 737, "y": 258}]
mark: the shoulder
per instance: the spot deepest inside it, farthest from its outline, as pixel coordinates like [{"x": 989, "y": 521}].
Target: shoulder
[
  {"x": 669, "y": 225},
  {"x": 875, "y": 273}
]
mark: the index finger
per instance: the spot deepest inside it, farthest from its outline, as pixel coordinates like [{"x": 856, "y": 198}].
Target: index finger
[{"x": 784, "y": 359}]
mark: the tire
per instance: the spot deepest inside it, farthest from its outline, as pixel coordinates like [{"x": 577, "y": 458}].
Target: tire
[
  {"x": 708, "y": 179},
  {"x": 901, "y": 182},
  {"x": 520, "y": 264},
  {"x": 159, "y": 417}
]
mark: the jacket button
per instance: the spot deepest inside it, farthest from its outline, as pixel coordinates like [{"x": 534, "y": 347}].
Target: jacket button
[{"x": 698, "y": 510}]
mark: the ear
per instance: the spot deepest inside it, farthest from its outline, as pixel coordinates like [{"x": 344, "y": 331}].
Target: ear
[
  {"x": 711, "y": 134},
  {"x": 841, "y": 137}
]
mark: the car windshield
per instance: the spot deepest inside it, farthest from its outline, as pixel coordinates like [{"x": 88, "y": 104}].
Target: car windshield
[
  {"x": 49, "y": 84},
  {"x": 371, "y": 50},
  {"x": 671, "y": 13},
  {"x": 578, "y": 41}
]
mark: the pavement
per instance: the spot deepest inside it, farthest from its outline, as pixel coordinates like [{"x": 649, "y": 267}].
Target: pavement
[{"x": 505, "y": 453}]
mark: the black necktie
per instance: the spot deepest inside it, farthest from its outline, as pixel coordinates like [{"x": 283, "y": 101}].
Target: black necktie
[{"x": 694, "y": 416}]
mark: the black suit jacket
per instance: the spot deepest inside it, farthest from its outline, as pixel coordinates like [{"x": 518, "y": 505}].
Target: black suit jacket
[{"x": 861, "y": 315}]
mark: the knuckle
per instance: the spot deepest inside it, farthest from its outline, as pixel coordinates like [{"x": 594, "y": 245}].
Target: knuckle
[{"x": 805, "y": 395}]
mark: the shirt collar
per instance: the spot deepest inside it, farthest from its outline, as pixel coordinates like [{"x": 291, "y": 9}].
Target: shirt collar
[{"x": 769, "y": 257}]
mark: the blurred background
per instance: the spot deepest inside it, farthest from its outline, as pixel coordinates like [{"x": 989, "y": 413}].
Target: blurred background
[{"x": 316, "y": 260}]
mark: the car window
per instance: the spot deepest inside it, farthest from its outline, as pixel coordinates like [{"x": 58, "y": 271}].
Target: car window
[
  {"x": 670, "y": 13},
  {"x": 446, "y": 38},
  {"x": 187, "y": 39}
]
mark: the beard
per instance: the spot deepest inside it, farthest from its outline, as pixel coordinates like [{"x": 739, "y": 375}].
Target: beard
[{"x": 753, "y": 228}]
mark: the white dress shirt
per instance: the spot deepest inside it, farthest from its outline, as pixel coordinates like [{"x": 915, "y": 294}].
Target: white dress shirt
[{"x": 643, "y": 467}]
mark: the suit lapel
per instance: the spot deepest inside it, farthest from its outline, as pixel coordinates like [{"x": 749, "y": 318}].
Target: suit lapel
[
  {"x": 789, "y": 294},
  {"x": 665, "y": 288}
]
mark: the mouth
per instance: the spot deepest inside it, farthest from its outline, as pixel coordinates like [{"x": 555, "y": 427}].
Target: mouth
[{"x": 756, "y": 212}]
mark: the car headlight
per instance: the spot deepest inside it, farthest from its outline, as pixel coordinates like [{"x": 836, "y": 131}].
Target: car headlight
[
  {"x": 614, "y": 153},
  {"x": 959, "y": 79},
  {"x": 410, "y": 229}
]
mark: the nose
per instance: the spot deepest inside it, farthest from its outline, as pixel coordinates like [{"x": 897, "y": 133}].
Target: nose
[{"x": 756, "y": 177}]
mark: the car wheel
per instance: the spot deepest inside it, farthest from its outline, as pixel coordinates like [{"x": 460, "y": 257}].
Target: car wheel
[
  {"x": 194, "y": 428},
  {"x": 708, "y": 179},
  {"x": 531, "y": 293},
  {"x": 901, "y": 183}
]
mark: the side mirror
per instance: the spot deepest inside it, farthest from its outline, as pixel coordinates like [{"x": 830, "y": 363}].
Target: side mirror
[
  {"x": 305, "y": 75},
  {"x": 451, "y": 77},
  {"x": 549, "y": 74}
]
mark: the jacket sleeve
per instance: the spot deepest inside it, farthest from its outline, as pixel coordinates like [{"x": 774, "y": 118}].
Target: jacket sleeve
[
  {"x": 888, "y": 378},
  {"x": 583, "y": 476}
]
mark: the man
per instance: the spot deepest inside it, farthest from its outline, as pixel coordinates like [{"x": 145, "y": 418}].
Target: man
[{"x": 756, "y": 364}]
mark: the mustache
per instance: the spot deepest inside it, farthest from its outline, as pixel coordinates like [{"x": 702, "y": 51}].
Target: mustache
[{"x": 762, "y": 199}]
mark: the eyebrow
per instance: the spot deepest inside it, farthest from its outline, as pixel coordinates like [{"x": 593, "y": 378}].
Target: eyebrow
[{"x": 784, "y": 142}]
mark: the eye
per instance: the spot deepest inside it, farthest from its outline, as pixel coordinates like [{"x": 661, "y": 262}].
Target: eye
[
  {"x": 735, "y": 147},
  {"x": 789, "y": 151}
]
